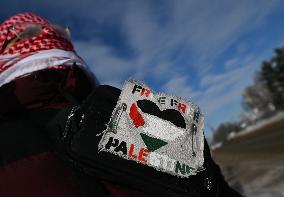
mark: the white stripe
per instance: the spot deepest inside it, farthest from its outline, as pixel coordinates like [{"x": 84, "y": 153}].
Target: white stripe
[
  {"x": 160, "y": 128},
  {"x": 39, "y": 61}
]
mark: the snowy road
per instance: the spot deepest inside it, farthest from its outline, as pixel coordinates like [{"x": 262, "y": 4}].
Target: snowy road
[{"x": 253, "y": 162}]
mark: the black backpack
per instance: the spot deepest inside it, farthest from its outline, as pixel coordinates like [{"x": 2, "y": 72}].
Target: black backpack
[{"x": 76, "y": 132}]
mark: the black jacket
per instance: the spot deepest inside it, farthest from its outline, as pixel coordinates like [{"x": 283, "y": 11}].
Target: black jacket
[
  {"x": 77, "y": 132},
  {"x": 72, "y": 134}
]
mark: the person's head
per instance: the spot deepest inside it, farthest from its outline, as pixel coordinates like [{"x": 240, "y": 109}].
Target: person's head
[
  {"x": 27, "y": 32},
  {"x": 38, "y": 63}
]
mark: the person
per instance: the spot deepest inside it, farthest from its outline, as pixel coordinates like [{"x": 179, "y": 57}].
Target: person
[
  {"x": 37, "y": 64},
  {"x": 44, "y": 84}
]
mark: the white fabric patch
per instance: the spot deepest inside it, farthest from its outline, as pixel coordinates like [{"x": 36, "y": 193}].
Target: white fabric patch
[{"x": 159, "y": 130}]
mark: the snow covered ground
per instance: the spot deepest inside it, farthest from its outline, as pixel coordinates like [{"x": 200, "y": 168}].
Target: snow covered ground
[{"x": 253, "y": 160}]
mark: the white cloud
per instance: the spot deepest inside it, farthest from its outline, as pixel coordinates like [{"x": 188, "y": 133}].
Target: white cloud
[
  {"x": 214, "y": 83},
  {"x": 227, "y": 88},
  {"x": 205, "y": 28},
  {"x": 178, "y": 85},
  {"x": 170, "y": 40},
  {"x": 194, "y": 31},
  {"x": 231, "y": 63},
  {"x": 199, "y": 30},
  {"x": 109, "y": 68},
  {"x": 218, "y": 90}
]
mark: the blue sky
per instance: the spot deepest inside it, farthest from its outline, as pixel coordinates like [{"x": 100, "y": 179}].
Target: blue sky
[{"x": 203, "y": 50}]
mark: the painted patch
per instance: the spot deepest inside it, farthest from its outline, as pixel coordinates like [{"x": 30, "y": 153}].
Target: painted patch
[{"x": 159, "y": 130}]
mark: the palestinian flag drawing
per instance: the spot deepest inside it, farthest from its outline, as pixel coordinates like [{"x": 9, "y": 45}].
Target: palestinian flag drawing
[{"x": 159, "y": 130}]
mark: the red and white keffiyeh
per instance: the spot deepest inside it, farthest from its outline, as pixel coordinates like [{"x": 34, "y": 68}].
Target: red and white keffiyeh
[
  {"x": 45, "y": 50},
  {"x": 47, "y": 39}
]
